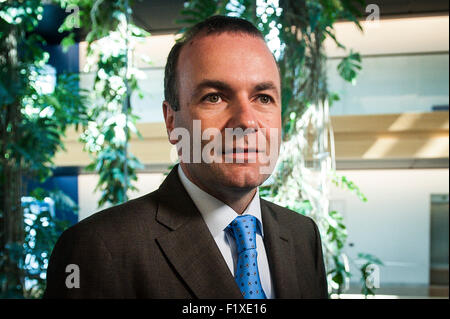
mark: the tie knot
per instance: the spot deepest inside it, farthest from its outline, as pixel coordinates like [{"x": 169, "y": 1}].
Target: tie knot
[{"x": 244, "y": 231}]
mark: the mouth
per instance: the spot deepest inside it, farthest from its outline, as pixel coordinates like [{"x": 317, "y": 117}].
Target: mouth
[
  {"x": 242, "y": 155},
  {"x": 241, "y": 151}
]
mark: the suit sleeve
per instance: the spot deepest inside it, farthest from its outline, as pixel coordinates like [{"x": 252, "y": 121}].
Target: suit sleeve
[
  {"x": 320, "y": 267},
  {"x": 80, "y": 267}
]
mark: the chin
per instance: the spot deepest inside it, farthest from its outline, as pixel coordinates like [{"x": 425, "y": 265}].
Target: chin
[{"x": 240, "y": 175}]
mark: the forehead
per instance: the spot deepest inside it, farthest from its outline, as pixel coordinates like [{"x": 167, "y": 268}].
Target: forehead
[{"x": 230, "y": 57}]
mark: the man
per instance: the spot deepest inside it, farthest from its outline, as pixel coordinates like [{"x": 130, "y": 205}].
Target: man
[{"x": 205, "y": 233}]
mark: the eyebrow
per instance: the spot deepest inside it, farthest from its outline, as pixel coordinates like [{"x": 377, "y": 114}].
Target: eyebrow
[
  {"x": 263, "y": 86},
  {"x": 222, "y": 86},
  {"x": 219, "y": 85}
]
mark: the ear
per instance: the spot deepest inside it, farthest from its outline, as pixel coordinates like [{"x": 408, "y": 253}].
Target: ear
[{"x": 169, "y": 119}]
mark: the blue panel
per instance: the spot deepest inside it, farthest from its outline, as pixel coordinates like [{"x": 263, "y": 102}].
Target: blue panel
[
  {"x": 66, "y": 183},
  {"x": 63, "y": 61}
]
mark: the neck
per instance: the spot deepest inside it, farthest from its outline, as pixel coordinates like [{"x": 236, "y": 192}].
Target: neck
[{"x": 237, "y": 198}]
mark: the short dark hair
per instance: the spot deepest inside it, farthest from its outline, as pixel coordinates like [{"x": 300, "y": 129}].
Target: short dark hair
[{"x": 213, "y": 25}]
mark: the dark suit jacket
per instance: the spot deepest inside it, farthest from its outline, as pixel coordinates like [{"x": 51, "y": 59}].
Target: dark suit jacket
[{"x": 158, "y": 246}]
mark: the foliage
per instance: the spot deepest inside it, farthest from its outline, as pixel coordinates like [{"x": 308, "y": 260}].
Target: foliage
[
  {"x": 349, "y": 66},
  {"x": 45, "y": 120},
  {"x": 111, "y": 40},
  {"x": 196, "y": 11},
  {"x": 367, "y": 271},
  {"x": 42, "y": 230},
  {"x": 33, "y": 122},
  {"x": 339, "y": 274},
  {"x": 302, "y": 60},
  {"x": 295, "y": 32},
  {"x": 345, "y": 183}
]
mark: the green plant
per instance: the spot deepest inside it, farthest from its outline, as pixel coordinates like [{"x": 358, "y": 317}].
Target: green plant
[
  {"x": 42, "y": 230},
  {"x": 367, "y": 271},
  {"x": 32, "y": 124},
  {"x": 111, "y": 40},
  {"x": 344, "y": 183},
  {"x": 339, "y": 274}
]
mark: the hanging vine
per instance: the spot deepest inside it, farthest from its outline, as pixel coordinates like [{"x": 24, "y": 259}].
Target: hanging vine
[{"x": 111, "y": 41}]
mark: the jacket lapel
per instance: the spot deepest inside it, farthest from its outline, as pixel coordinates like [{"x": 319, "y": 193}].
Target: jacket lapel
[
  {"x": 280, "y": 254},
  {"x": 189, "y": 246}
]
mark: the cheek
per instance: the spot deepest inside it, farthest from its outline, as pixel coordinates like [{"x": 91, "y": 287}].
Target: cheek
[
  {"x": 211, "y": 120},
  {"x": 272, "y": 132},
  {"x": 271, "y": 121},
  {"x": 270, "y": 115},
  {"x": 183, "y": 118}
]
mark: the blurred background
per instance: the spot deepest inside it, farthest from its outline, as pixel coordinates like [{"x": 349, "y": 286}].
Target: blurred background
[{"x": 81, "y": 92}]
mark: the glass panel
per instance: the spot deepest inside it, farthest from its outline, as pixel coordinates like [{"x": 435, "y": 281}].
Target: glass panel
[{"x": 392, "y": 84}]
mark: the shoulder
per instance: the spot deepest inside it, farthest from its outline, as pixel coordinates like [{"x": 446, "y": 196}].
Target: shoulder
[
  {"x": 128, "y": 212},
  {"x": 114, "y": 223}
]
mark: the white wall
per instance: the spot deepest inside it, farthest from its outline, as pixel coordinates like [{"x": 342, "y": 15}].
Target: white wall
[
  {"x": 388, "y": 36},
  {"x": 394, "y": 224}
]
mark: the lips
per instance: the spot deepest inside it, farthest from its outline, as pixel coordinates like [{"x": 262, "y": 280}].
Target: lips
[{"x": 241, "y": 150}]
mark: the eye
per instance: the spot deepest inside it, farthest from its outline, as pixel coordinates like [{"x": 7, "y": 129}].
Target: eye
[
  {"x": 265, "y": 99},
  {"x": 212, "y": 98}
]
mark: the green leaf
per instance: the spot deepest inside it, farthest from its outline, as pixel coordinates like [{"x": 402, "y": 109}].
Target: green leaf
[
  {"x": 349, "y": 67},
  {"x": 67, "y": 42}
]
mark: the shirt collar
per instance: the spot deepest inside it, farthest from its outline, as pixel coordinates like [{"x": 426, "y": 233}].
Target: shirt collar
[{"x": 216, "y": 214}]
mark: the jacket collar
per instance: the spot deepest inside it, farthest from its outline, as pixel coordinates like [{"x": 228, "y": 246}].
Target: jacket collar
[
  {"x": 189, "y": 246},
  {"x": 280, "y": 254}
]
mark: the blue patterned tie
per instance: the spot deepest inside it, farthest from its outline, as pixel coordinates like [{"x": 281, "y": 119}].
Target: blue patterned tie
[{"x": 243, "y": 228}]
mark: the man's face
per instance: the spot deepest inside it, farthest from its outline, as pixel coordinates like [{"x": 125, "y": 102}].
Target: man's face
[{"x": 229, "y": 81}]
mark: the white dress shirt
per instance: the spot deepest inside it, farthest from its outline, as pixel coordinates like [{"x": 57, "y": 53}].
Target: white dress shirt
[{"x": 218, "y": 216}]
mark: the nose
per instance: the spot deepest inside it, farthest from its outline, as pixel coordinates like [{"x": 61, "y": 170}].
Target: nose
[{"x": 243, "y": 115}]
